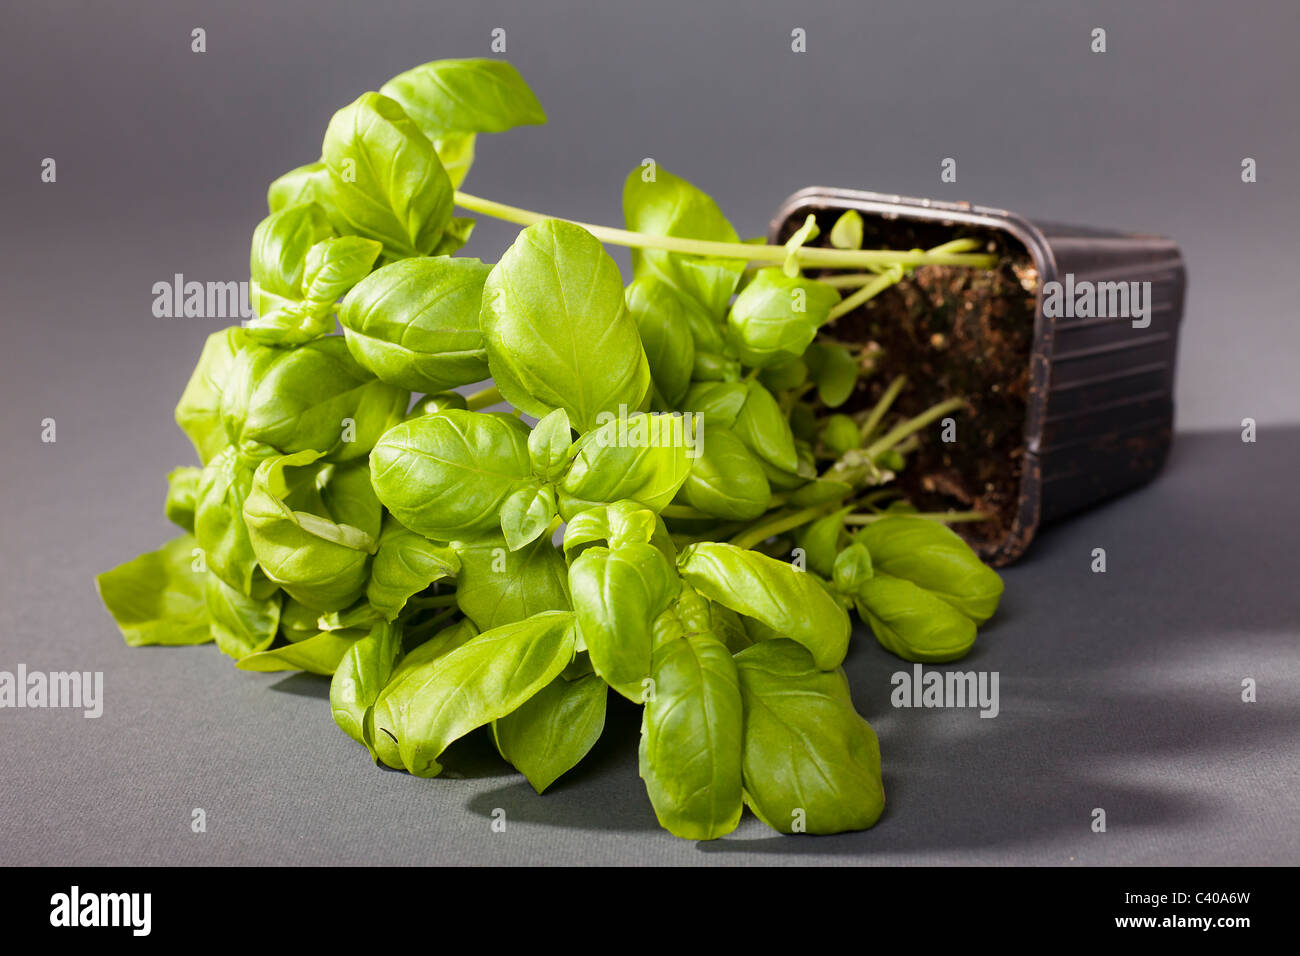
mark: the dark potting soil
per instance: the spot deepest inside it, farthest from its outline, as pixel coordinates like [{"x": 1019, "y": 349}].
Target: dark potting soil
[{"x": 953, "y": 332}]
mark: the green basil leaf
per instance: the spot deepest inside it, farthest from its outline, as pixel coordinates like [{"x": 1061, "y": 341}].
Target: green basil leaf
[
  {"x": 455, "y": 235},
  {"x": 729, "y": 628},
  {"x": 456, "y": 153},
  {"x": 803, "y": 420},
  {"x": 240, "y": 625},
  {"x": 442, "y": 643},
  {"x": 358, "y": 616},
  {"x": 641, "y": 458},
  {"x": 689, "y": 614},
  {"x": 182, "y": 490},
  {"x": 405, "y": 564},
  {"x": 315, "y": 397},
  {"x": 360, "y": 676},
  {"x": 386, "y": 178},
  {"x": 198, "y": 412},
  {"x": 349, "y": 498},
  {"x": 803, "y": 235},
  {"x": 690, "y": 754},
  {"x": 811, "y": 763},
  {"x": 279, "y": 254},
  {"x": 757, "y": 631},
  {"x": 787, "y": 481},
  {"x": 553, "y": 730},
  {"x": 579, "y": 667},
  {"x": 313, "y": 527},
  {"x": 727, "y": 480},
  {"x": 820, "y": 541},
  {"x": 932, "y": 556},
  {"x": 630, "y": 523},
  {"x": 448, "y": 475},
  {"x": 789, "y": 601},
  {"x": 713, "y": 367},
  {"x": 616, "y": 597},
  {"x": 333, "y": 267},
  {"x": 431, "y": 705},
  {"x": 527, "y": 513},
  {"x": 558, "y": 334},
  {"x": 660, "y": 314},
  {"x": 890, "y": 460},
  {"x": 550, "y": 444},
  {"x": 414, "y": 323},
  {"x": 784, "y": 376},
  {"x": 719, "y": 402},
  {"x": 912, "y": 622},
  {"x": 219, "y": 528},
  {"x": 775, "y": 317},
  {"x": 306, "y": 184},
  {"x": 319, "y": 654},
  {"x": 823, "y": 491},
  {"x": 835, "y": 371},
  {"x": 852, "y": 567},
  {"x": 670, "y": 206},
  {"x": 282, "y": 246},
  {"x": 693, "y": 613},
  {"x": 449, "y": 97},
  {"x": 750, "y": 411},
  {"x": 840, "y": 434},
  {"x": 847, "y": 231},
  {"x": 617, "y": 524},
  {"x": 157, "y": 598},
  {"x": 436, "y": 402},
  {"x": 288, "y": 324},
  {"x": 586, "y": 529},
  {"x": 297, "y": 621},
  {"x": 763, "y": 427},
  {"x": 498, "y": 586}
]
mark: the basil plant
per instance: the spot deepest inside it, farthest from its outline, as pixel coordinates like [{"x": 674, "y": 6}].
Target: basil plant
[{"x": 502, "y": 497}]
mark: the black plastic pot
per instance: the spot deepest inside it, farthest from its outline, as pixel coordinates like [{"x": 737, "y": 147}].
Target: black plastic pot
[{"x": 1099, "y": 412}]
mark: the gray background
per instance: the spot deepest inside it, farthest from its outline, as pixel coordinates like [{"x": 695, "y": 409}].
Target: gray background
[{"x": 1118, "y": 691}]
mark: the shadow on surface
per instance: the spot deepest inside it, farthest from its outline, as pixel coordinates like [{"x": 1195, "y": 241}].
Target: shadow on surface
[
  {"x": 302, "y": 684},
  {"x": 473, "y": 757},
  {"x": 569, "y": 801}
]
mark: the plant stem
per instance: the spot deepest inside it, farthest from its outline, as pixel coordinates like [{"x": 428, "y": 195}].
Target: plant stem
[
  {"x": 869, "y": 291},
  {"x": 482, "y": 399},
  {"x": 872, "y": 499},
  {"x": 895, "y": 274},
  {"x": 683, "y": 512},
  {"x": 818, "y": 256},
  {"x": 946, "y": 517},
  {"x": 432, "y": 623},
  {"x": 901, "y": 431},
  {"x": 881, "y": 407},
  {"x": 779, "y": 524},
  {"x": 850, "y": 280}
]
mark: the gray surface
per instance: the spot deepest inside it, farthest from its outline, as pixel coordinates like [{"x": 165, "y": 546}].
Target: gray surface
[{"x": 1119, "y": 691}]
